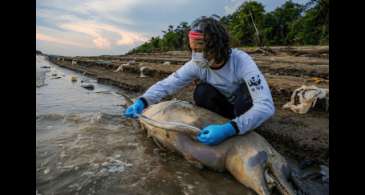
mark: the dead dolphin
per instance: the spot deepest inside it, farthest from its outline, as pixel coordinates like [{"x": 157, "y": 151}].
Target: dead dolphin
[{"x": 249, "y": 158}]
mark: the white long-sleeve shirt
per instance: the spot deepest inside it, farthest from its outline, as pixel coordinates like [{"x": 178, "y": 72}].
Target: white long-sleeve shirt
[{"x": 238, "y": 68}]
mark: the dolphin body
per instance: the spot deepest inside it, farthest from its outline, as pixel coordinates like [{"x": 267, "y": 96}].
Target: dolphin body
[{"x": 249, "y": 158}]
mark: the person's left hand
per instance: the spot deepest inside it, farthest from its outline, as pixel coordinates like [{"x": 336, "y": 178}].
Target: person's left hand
[{"x": 216, "y": 133}]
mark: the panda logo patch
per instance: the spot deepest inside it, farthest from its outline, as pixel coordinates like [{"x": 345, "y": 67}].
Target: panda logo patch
[{"x": 255, "y": 83}]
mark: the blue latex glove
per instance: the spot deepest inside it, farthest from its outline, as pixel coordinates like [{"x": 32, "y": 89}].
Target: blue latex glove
[
  {"x": 134, "y": 109},
  {"x": 215, "y": 134}
]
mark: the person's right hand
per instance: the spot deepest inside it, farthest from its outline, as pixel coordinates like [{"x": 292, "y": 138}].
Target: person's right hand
[{"x": 135, "y": 109}]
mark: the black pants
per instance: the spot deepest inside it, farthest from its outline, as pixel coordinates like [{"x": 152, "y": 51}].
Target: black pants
[{"x": 207, "y": 96}]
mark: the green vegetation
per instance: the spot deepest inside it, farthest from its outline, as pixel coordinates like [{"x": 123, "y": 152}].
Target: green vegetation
[{"x": 251, "y": 25}]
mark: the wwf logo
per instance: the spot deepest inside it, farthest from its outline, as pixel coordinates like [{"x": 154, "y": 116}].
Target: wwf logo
[{"x": 255, "y": 83}]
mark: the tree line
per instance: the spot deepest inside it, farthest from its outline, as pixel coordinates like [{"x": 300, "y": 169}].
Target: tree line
[{"x": 251, "y": 25}]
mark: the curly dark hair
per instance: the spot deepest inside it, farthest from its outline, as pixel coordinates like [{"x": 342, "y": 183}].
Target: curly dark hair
[{"x": 216, "y": 38}]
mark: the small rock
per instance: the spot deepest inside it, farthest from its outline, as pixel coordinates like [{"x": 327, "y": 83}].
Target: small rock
[
  {"x": 88, "y": 86},
  {"x": 87, "y": 173},
  {"x": 131, "y": 62},
  {"x": 37, "y": 193},
  {"x": 73, "y": 78},
  {"x": 63, "y": 154},
  {"x": 46, "y": 171},
  {"x": 155, "y": 150},
  {"x": 128, "y": 164},
  {"x": 325, "y": 173},
  {"x": 68, "y": 167},
  {"x": 132, "y": 144}
]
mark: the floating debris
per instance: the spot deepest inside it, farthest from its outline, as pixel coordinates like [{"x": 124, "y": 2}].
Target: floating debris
[{"x": 103, "y": 92}]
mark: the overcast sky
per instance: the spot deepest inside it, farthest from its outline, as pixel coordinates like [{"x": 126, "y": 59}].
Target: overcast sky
[{"x": 97, "y": 27}]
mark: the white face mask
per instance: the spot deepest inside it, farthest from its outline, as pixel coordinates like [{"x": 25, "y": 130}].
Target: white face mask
[{"x": 198, "y": 58}]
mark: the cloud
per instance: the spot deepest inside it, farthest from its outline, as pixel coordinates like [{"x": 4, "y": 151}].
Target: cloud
[
  {"x": 43, "y": 37},
  {"x": 106, "y": 10},
  {"x": 95, "y": 31},
  {"x": 109, "y": 24}
]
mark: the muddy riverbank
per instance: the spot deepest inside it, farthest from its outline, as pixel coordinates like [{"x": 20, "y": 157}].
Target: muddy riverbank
[{"x": 299, "y": 136}]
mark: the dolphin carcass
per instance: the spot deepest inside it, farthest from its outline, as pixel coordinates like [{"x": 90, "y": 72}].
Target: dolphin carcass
[{"x": 249, "y": 158}]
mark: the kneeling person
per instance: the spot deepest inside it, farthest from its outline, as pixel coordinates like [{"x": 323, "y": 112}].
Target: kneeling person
[{"x": 230, "y": 84}]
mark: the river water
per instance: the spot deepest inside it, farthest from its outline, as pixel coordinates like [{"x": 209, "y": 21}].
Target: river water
[{"x": 84, "y": 146}]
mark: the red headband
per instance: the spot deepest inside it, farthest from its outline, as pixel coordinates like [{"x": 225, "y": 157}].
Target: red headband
[{"x": 195, "y": 35}]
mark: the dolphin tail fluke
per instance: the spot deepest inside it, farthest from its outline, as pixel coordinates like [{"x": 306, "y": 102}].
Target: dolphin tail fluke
[{"x": 280, "y": 177}]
